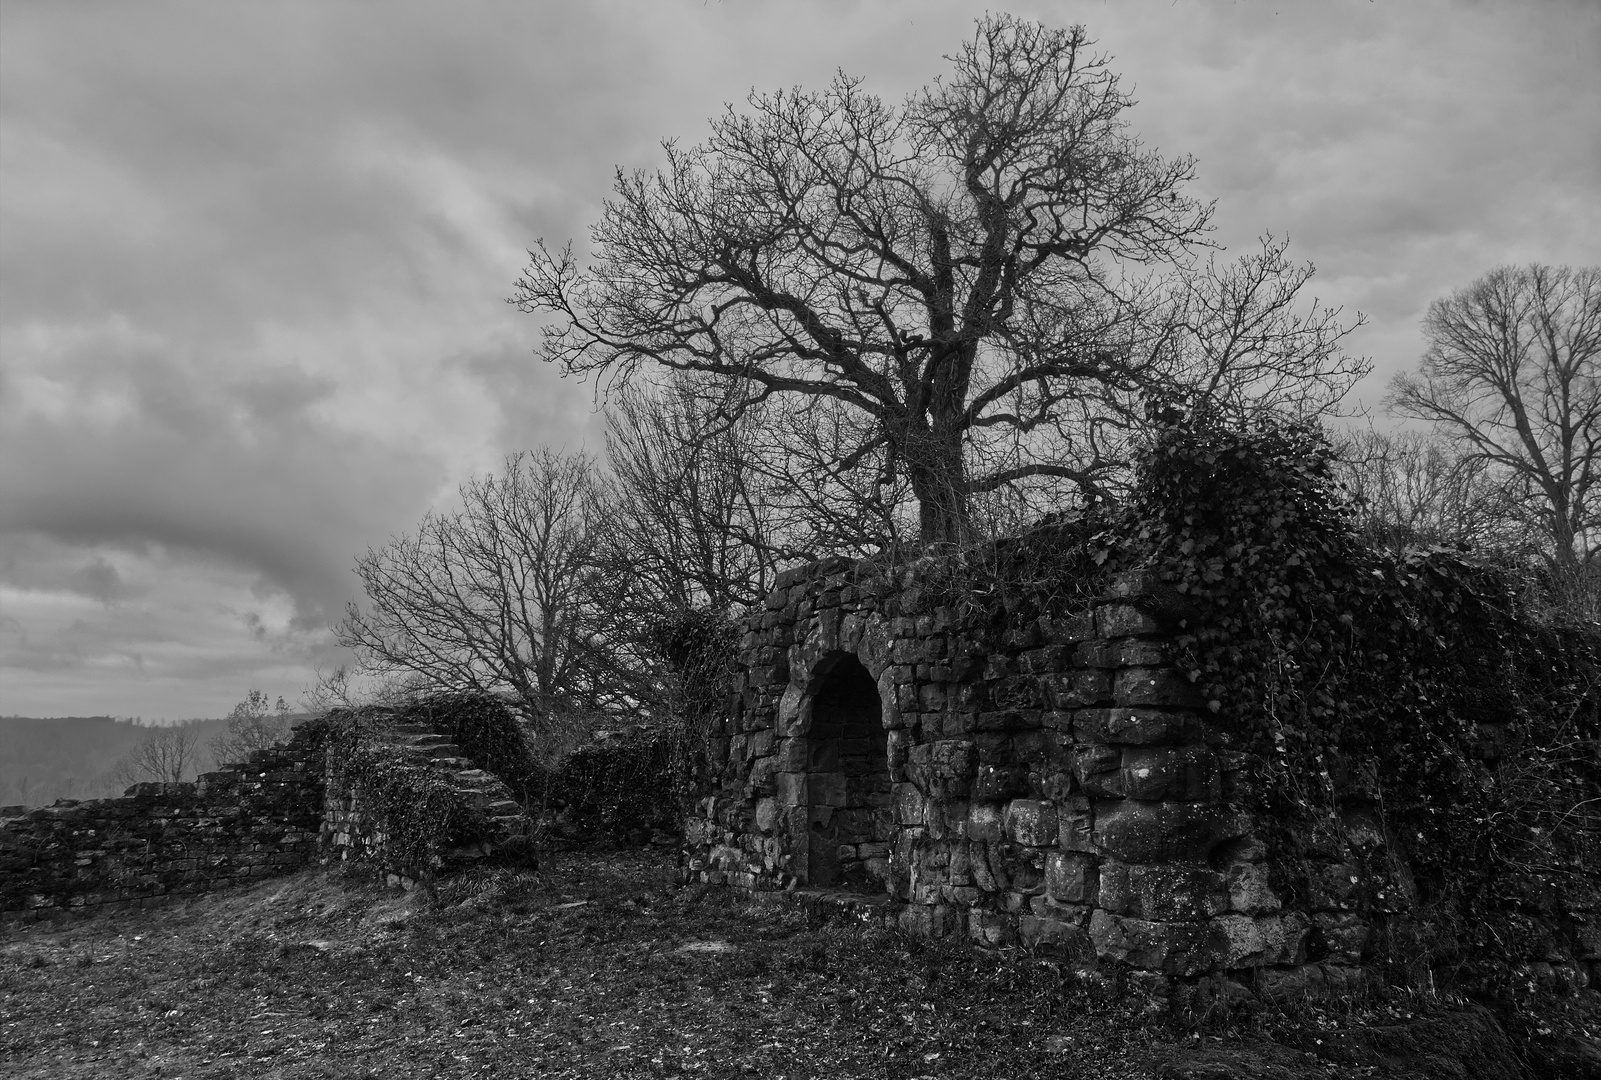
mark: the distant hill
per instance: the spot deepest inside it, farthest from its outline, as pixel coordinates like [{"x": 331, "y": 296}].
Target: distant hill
[{"x": 71, "y": 757}]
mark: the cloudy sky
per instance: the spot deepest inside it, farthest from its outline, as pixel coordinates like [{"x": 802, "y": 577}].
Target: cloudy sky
[{"x": 253, "y": 257}]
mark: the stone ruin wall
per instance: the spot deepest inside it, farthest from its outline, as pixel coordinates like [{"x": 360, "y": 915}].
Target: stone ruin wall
[
  {"x": 235, "y": 825},
  {"x": 278, "y": 812},
  {"x": 1059, "y": 788},
  {"x": 350, "y": 834}
]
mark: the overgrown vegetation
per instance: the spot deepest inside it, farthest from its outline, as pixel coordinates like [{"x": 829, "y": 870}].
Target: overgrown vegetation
[
  {"x": 701, "y": 648},
  {"x": 1412, "y": 684},
  {"x": 411, "y": 805},
  {"x": 1419, "y": 690}
]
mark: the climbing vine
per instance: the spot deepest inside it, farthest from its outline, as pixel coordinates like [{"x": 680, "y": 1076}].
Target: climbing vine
[
  {"x": 1415, "y": 683},
  {"x": 701, "y": 647},
  {"x": 410, "y": 805}
]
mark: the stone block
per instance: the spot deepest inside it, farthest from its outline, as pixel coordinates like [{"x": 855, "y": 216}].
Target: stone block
[
  {"x": 1162, "y": 893},
  {"x": 1070, "y": 877},
  {"x": 1138, "y": 726},
  {"x": 1124, "y": 620},
  {"x": 791, "y": 788},
  {"x": 1000, "y": 782},
  {"x": 1053, "y": 785},
  {"x": 985, "y": 822},
  {"x": 1098, "y": 770},
  {"x": 1019, "y": 692},
  {"x": 766, "y": 814},
  {"x": 1259, "y": 940},
  {"x": 1076, "y": 689},
  {"x": 1143, "y": 832},
  {"x": 1050, "y": 935},
  {"x": 789, "y": 755},
  {"x": 1172, "y": 948},
  {"x": 1051, "y": 658},
  {"x": 991, "y": 928},
  {"x": 1068, "y": 629},
  {"x": 1176, "y": 773},
  {"x": 1141, "y": 652},
  {"x": 1155, "y": 686},
  {"x": 764, "y": 777},
  {"x": 1074, "y": 818},
  {"x": 1032, "y": 822},
  {"x": 1250, "y": 891}
]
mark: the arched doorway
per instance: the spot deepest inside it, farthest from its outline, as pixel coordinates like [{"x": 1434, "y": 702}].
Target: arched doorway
[{"x": 848, "y": 816}]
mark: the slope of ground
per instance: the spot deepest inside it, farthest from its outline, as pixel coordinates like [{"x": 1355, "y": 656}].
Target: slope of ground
[{"x": 598, "y": 967}]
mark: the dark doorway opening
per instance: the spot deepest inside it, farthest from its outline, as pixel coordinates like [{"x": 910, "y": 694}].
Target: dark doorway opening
[{"x": 848, "y": 782}]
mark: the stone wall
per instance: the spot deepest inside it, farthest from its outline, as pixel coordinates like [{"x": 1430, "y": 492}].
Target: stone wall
[
  {"x": 240, "y": 823},
  {"x": 282, "y": 810},
  {"x": 489, "y": 822},
  {"x": 1056, "y": 785}
]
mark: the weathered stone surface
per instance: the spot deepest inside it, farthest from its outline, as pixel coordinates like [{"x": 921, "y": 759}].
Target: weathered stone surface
[
  {"x": 1124, "y": 620},
  {"x": 1171, "y": 948},
  {"x": 1070, "y": 877},
  {"x": 1162, "y": 892},
  {"x": 1259, "y": 940},
  {"x": 1142, "y": 832},
  {"x": 1000, "y": 782},
  {"x": 1177, "y": 773},
  {"x": 1155, "y": 686},
  {"x": 1076, "y": 689},
  {"x": 1068, "y": 629},
  {"x": 791, "y": 788},
  {"x": 1031, "y": 822},
  {"x": 1138, "y": 726},
  {"x": 1074, "y": 825},
  {"x": 985, "y": 821},
  {"x": 1099, "y": 770},
  {"x": 1058, "y": 936},
  {"x": 1250, "y": 891}
]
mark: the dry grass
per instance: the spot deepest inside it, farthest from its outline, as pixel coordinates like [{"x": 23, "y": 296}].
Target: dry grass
[{"x": 595, "y": 967}]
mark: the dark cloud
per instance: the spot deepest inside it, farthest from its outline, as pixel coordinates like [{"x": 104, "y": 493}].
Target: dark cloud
[{"x": 253, "y": 257}]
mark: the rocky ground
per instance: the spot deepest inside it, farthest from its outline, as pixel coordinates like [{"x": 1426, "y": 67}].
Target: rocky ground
[{"x": 598, "y": 966}]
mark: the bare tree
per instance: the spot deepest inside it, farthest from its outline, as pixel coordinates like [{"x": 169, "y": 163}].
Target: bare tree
[
  {"x": 252, "y": 725},
  {"x": 504, "y": 595},
  {"x": 688, "y": 519},
  {"x": 1238, "y": 339},
  {"x": 888, "y": 259},
  {"x": 1410, "y": 489},
  {"x": 1512, "y": 376},
  {"x": 954, "y": 274},
  {"x": 164, "y": 755}
]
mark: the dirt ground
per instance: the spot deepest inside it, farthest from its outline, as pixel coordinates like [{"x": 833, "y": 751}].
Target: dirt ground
[{"x": 598, "y": 966}]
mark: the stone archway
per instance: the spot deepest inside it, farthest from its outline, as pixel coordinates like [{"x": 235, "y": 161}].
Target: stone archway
[{"x": 849, "y": 823}]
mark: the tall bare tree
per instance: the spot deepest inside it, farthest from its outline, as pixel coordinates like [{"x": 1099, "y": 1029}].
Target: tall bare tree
[
  {"x": 955, "y": 273},
  {"x": 504, "y": 595},
  {"x": 922, "y": 265},
  {"x": 1512, "y": 376}
]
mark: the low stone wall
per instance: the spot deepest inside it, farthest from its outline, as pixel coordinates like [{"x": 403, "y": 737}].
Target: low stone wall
[{"x": 240, "y": 823}]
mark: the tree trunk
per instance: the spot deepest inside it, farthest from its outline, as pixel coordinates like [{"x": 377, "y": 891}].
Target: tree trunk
[{"x": 939, "y": 481}]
